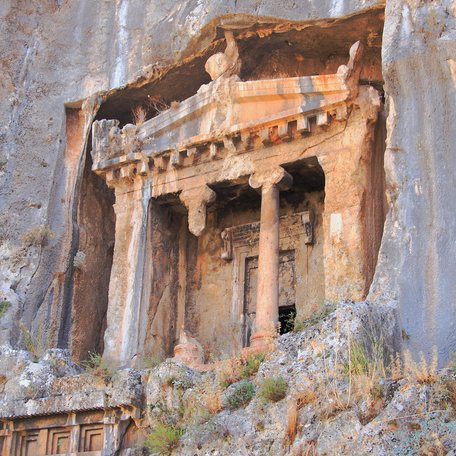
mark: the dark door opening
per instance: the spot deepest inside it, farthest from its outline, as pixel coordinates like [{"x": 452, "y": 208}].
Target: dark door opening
[{"x": 287, "y": 316}]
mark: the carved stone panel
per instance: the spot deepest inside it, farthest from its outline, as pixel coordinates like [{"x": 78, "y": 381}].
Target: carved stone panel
[
  {"x": 91, "y": 438},
  {"x": 247, "y": 235},
  {"x": 28, "y": 443},
  {"x": 58, "y": 441}
]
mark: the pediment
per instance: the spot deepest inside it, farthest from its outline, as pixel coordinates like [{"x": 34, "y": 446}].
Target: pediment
[{"x": 228, "y": 108}]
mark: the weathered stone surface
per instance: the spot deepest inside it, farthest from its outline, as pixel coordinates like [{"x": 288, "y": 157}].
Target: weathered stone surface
[
  {"x": 53, "y": 384},
  {"x": 57, "y": 53},
  {"x": 416, "y": 266},
  {"x": 413, "y": 416},
  {"x": 63, "y": 52}
]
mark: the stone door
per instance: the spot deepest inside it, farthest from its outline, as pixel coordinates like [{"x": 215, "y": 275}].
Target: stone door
[{"x": 287, "y": 289}]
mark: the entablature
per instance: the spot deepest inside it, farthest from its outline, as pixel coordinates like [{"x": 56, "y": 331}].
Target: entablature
[{"x": 225, "y": 117}]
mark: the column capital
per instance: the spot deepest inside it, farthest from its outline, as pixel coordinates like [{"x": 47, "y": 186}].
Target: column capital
[
  {"x": 196, "y": 200},
  {"x": 275, "y": 177}
]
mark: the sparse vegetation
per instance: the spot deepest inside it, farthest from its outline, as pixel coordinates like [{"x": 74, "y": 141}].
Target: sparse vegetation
[
  {"x": 157, "y": 103},
  {"x": 273, "y": 389},
  {"x": 241, "y": 395},
  {"x": 97, "y": 366},
  {"x": 163, "y": 438},
  {"x": 38, "y": 235},
  {"x": 35, "y": 345},
  {"x": 304, "y": 397},
  {"x": 251, "y": 365},
  {"x": 421, "y": 371},
  {"x": 443, "y": 394},
  {"x": 292, "y": 421},
  {"x": 238, "y": 368},
  {"x": 322, "y": 312},
  {"x": 229, "y": 372},
  {"x": 4, "y": 306},
  {"x": 139, "y": 114},
  {"x": 150, "y": 361},
  {"x": 212, "y": 397}
]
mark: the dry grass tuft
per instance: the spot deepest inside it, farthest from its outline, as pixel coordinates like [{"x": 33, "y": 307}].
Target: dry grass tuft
[
  {"x": 305, "y": 397},
  {"x": 292, "y": 421},
  {"x": 230, "y": 372},
  {"x": 38, "y": 235},
  {"x": 239, "y": 368},
  {"x": 213, "y": 398},
  {"x": 139, "y": 114},
  {"x": 421, "y": 371},
  {"x": 395, "y": 368},
  {"x": 157, "y": 104}
]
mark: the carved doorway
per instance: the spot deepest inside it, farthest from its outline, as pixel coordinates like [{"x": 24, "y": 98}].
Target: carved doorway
[{"x": 287, "y": 293}]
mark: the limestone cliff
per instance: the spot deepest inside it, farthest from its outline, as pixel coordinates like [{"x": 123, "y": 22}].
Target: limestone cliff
[{"x": 65, "y": 64}]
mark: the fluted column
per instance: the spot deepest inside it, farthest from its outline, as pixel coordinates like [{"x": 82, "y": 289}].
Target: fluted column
[{"x": 267, "y": 305}]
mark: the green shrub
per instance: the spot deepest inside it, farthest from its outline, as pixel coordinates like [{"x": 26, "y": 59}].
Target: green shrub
[
  {"x": 4, "y": 306},
  {"x": 34, "y": 344},
  {"x": 359, "y": 361},
  {"x": 163, "y": 438},
  {"x": 97, "y": 366},
  {"x": 251, "y": 365},
  {"x": 241, "y": 395},
  {"x": 150, "y": 361},
  {"x": 273, "y": 389}
]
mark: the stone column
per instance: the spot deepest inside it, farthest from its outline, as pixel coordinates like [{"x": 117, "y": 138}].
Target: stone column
[
  {"x": 127, "y": 274},
  {"x": 267, "y": 306}
]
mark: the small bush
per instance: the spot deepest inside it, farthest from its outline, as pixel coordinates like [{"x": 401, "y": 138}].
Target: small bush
[
  {"x": 213, "y": 399},
  {"x": 273, "y": 389},
  {"x": 318, "y": 315},
  {"x": 359, "y": 362},
  {"x": 241, "y": 395},
  {"x": 230, "y": 372},
  {"x": 163, "y": 438},
  {"x": 150, "y": 361},
  {"x": 4, "y": 306},
  {"x": 304, "y": 397},
  {"x": 97, "y": 366},
  {"x": 251, "y": 365},
  {"x": 239, "y": 368}
]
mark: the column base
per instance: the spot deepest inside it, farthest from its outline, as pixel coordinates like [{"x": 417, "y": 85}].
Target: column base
[
  {"x": 263, "y": 341},
  {"x": 188, "y": 354}
]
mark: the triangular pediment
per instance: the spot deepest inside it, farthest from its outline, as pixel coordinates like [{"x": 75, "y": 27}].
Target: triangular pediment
[{"x": 227, "y": 108}]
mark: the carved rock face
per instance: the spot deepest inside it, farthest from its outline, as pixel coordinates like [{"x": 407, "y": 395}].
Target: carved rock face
[{"x": 216, "y": 65}]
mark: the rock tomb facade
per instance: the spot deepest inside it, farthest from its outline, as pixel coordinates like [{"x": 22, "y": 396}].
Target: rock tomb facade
[
  {"x": 236, "y": 210},
  {"x": 245, "y": 202}
]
